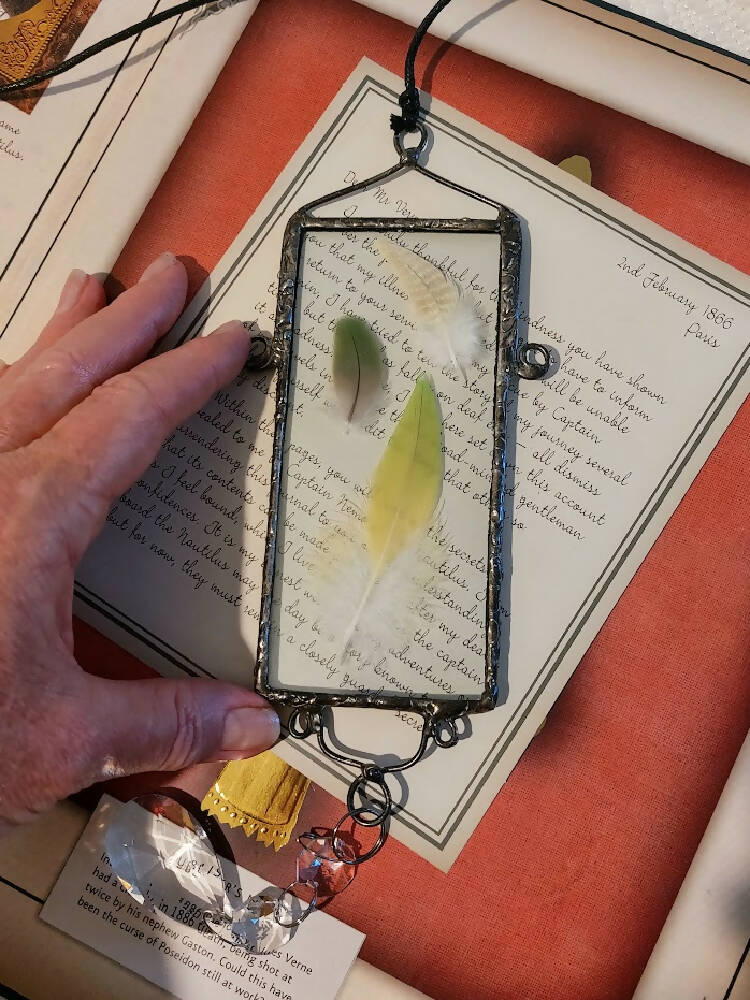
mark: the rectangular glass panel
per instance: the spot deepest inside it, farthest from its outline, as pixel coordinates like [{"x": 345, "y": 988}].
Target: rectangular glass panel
[{"x": 381, "y": 554}]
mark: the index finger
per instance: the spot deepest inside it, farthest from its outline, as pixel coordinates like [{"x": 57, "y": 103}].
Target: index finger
[
  {"x": 67, "y": 369},
  {"x": 102, "y": 446}
]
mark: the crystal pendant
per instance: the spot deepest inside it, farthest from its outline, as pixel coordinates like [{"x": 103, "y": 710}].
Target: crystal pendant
[
  {"x": 263, "y": 924},
  {"x": 164, "y": 859},
  {"x": 317, "y": 865}
]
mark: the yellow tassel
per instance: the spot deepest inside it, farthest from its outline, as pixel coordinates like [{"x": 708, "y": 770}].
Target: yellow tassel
[{"x": 263, "y": 795}]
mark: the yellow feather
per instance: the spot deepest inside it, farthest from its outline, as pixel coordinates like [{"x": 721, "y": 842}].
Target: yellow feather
[
  {"x": 578, "y": 166},
  {"x": 408, "y": 480},
  {"x": 405, "y": 490}
]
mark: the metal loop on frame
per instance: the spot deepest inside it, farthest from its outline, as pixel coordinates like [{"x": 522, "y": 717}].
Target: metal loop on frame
[
  {"x": 445, "y": 733},
  {"x": 527, "y": 364},
  {"x": 303, "y": 722},
  {"x": 411, "y": 154},
  {"x": 261, "y": 353}
]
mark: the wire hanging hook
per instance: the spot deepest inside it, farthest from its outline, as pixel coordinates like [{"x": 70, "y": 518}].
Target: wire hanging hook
[{"x": 411, "y": 154}]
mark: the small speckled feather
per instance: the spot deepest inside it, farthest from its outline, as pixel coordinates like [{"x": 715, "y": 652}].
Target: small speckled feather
[{"x": 445, "y": 319}]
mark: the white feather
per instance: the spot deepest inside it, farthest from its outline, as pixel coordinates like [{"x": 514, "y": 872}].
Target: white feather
[
  {"x": 445, "y": 319},
  {"x": 397, "y": 604}
]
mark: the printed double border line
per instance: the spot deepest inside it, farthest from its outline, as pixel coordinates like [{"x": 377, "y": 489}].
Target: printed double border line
[{"x": 439, "y": 836}]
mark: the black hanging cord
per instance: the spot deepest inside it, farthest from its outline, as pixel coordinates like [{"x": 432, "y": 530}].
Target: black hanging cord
[
  {"x": 407, "y": 121},
  {"x": 411, "y": 109},
  {"x": 9, "y": 89}
]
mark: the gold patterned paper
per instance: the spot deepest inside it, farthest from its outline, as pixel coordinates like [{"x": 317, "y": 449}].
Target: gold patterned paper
[
  {"x": 35, "y": 36},
  {"x": 263, "y": 795}
]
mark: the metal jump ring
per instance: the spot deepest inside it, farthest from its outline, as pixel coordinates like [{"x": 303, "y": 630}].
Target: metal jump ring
[
  {"x": 410, "y": 154},
  {"x": 305, "y": 913},
  {"x": 378, "y": 817},
  {"x": 355, "y": 815},
  {"x": 303, "y": 722}
]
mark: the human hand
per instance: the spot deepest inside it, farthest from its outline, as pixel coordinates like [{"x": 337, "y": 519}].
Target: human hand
[{"x": 82, "y": 416}]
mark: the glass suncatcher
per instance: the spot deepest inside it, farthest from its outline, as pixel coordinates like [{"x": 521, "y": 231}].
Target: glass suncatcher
[
  {"x": 389, "y": 465},
  {"x": 396, "y": 343}
]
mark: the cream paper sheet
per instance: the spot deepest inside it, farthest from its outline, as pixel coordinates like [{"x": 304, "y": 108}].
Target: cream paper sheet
[{"x": 604, "y": 449}]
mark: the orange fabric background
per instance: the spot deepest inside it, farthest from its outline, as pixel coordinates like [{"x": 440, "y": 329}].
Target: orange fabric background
[{"x": 563, "y": 889}]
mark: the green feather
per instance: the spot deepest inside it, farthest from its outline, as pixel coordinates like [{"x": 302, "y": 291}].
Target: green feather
[{"x": 357, "y": 367}]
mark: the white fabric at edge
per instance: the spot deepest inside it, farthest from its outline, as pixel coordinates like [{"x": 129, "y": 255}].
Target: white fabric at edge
[
  {"x": 680, "y": 93},
  {"x": 365, "y": 982}
]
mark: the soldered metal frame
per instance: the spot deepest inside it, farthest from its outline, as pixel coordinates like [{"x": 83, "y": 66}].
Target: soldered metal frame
[{"x": 511, "y": 359}]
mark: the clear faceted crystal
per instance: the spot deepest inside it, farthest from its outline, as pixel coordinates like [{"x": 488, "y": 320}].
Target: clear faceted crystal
[
  {"x": 317, "y": 865},
  {"x": 163, "y": 860},
  {"x": 264, "y": 923}
]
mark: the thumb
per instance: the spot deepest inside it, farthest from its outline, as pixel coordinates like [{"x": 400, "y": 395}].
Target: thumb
[{"x": 165, "y": 725}]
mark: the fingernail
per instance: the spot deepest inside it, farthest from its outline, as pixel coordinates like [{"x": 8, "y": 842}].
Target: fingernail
[
  {"x": 72, "y": 290},
  {"x": 233, "y": 324},
  {"x": 251, "y": 729},
  {"x": 157, "y": 266}
]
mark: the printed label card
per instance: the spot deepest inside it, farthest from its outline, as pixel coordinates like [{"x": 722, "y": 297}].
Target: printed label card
[{"x": 89, "y": 904}]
